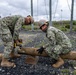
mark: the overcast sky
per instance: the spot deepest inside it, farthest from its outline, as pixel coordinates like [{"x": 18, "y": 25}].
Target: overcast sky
[{"x": 60, "y": 11}]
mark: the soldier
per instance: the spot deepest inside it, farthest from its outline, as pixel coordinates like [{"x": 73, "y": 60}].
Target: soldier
[
  {"x": 9, "y": 31},
  {"x": 58, "y": 44}
]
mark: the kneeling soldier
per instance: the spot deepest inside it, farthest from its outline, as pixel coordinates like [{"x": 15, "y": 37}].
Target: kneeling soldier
[{"x": 58, "y": 43}]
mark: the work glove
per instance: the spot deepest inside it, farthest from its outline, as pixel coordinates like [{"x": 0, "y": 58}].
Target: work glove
[{"x": 40, "y": 50}]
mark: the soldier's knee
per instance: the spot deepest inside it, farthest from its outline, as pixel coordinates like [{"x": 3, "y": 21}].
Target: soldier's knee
[{"x": 6, "y": 38}]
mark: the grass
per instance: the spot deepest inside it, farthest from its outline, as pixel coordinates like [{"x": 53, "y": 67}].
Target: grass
[
  {"x": 74, "y": 72},
  {"x": 65, "y": 71},
  {"x": 64, "y": 27},
  {"x": 29, "y": 27}
]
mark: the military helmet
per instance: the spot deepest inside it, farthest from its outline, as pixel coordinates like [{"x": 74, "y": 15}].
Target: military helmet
[{"x": 41, "y": 23}]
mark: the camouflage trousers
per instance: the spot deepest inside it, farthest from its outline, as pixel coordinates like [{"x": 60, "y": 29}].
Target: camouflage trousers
[
  {"x": 6, "y": 37},
  {"x": 55, "y": 51}
]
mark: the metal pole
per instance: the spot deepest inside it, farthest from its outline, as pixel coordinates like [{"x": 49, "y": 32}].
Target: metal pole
[
  {"x": 61, "y": 17},
  {"x": 50, "y": 12},
  {"x": 71, "y": 22},
  {"x": 0, "y": 16},
  {"x": 32, "y": 26},
  {"x": 31, "y": 7}
]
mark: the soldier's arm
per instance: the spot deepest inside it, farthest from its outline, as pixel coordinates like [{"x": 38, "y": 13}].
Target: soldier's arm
[
  {"x": 56, "y": 48},
  {"x": 53, "y": 42},
  {"x": 17, "y": 28},
  {"x": 51, "y": 37}
]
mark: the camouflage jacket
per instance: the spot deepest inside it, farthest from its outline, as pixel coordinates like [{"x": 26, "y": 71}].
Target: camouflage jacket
[
  {"x": 14, "y": 23},
  {"x": 58, "y": 41}
]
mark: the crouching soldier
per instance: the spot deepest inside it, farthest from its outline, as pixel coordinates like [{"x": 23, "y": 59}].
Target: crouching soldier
[
  {"x": 58, "y": 43},
  {"x": 9, "y": 32}
]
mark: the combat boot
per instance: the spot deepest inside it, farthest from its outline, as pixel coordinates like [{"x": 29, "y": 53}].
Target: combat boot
[
  {"x": 71, "y": 55},
  {"x": 6, "y": 63},
  {"x": 59, "y": 62}
]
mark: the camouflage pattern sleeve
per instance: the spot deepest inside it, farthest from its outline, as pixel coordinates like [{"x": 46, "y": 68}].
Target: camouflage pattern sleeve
[
  {"x": 56, "y": 48},
  {"x": 17, "y": 28},
  {"x": 51, "y": 37}
]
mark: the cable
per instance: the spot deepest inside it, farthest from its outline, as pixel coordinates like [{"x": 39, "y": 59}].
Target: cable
[
  {"x": 45, "y": 8},
  {"x": 37, "y": 9},
  {"x": 68, "y": 5},
  {"x": 55, "y": 9}
]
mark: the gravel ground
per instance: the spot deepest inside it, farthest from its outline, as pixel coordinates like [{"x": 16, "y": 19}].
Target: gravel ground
[{"x": 43, "y": 67}]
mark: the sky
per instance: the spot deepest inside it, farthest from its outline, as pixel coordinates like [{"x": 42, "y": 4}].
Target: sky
[{"x": 61, "y": 9}]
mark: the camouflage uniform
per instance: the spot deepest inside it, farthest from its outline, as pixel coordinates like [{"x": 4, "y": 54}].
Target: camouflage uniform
[
  {"x": 9, "y": 30},
  {"x": 59, "y": 43}
]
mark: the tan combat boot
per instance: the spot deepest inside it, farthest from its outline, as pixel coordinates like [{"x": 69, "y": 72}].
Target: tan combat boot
[
  {"x": 71, "y": 55},
  {"x": 6, "y": 63},
  {"x": 58, "y": 63}
]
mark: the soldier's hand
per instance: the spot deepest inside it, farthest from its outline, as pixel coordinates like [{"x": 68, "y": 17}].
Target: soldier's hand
[
  {"x": 18, "y": 42},
  {"x": 40, "y": 50},
  {"x": 20, "y": 46}
]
